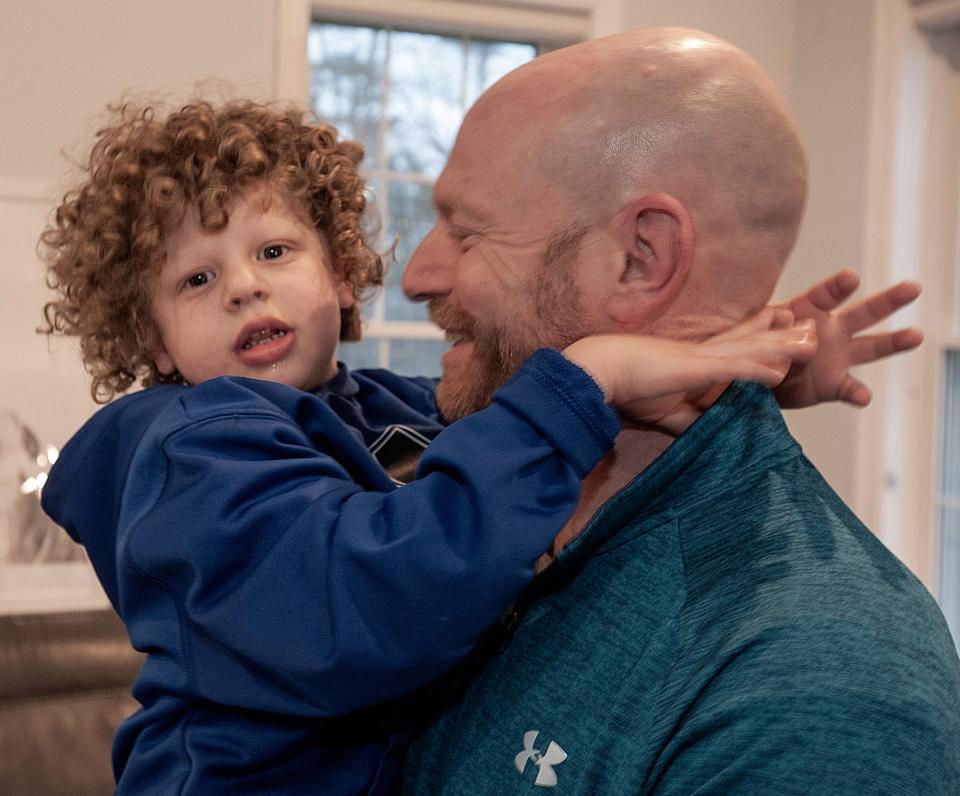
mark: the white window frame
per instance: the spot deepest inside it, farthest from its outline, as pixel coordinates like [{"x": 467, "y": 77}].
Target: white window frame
[
  {"x": 551, "y": 24},
  {"x": 559, "y": 21}
]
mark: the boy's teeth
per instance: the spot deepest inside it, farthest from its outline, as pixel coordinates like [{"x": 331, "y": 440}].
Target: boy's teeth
[{"x": 263, "y": 337}]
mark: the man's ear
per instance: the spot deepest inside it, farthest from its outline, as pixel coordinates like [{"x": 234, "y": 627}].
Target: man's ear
[{"x": 658, "y": 250}]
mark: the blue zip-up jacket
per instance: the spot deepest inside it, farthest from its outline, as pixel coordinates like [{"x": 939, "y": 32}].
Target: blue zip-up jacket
[{"x": 280, "y": 583}]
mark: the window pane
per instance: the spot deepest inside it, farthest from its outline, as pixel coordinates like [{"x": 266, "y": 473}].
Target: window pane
[
  {"x": 417, "y": 357},
  {"x": 950, "y": 456},
  {"x": 361, "y": 354},
  {"x": 950, "y": 496},
  {"x": 374, "y": 224},
  {"x": 411, "y": 216},
  {"x": 950, "y": 569},
  {"x": 425, "y": 101},
  {"x": 402, "y": 94},
  {"x": 346, "y": 80},
  {"x": 378, "y": 236},
  {"x": 488, "y": 61}
]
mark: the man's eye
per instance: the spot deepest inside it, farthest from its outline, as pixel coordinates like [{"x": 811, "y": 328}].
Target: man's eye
[
  {"x": 198, "y": 279},
  {"x": 272, "y": 252},
  {"x": 461, "y": 237}
]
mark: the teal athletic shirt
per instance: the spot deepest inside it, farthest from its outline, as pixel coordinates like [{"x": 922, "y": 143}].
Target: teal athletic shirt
[{"x": 724, "y": 625}]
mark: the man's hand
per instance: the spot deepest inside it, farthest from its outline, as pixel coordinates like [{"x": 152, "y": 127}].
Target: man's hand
[{"x": 826, "y": 376}]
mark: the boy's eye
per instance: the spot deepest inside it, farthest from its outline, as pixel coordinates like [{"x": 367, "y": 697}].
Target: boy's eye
[
  {"x": 199, "y": 279},
  {"x": 272, "y": 252}
]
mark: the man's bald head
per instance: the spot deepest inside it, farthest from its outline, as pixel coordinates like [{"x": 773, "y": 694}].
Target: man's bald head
[
  {"x": 674, "y": 111},
  {"x": 649, "y": 182}
]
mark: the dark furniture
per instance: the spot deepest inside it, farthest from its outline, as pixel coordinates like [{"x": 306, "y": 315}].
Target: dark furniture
[{"x": 64, "y": 687}]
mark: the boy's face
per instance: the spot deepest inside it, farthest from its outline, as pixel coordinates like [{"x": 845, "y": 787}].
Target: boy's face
[{"x": 259, "y": 298}]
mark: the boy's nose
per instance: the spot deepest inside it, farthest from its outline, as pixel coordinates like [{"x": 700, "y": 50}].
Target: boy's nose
[
  {"x": 429, "y": 270},
  {"x": 241, "y": 299},
  {"x": 243, "y": 286}
]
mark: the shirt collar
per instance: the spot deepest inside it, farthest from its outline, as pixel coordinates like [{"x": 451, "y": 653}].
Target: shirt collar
[
  {"x": 343, "y": 384},
  {"x": 742, "y": 429}
]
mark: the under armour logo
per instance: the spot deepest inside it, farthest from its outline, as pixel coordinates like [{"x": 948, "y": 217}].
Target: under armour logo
[{"x": 554, "y": 756}]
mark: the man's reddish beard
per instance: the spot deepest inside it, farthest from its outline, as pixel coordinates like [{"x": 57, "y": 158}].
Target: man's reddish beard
[
  {"x": 496, "y": 355},
  {"x": 555, "y": 320},
  {"x": 498, "y": 352}
]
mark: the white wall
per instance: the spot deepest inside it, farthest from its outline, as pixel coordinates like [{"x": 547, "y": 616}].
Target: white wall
[
  {"x": 764, "y": 28},
  {"x": 831, "y": 102}
]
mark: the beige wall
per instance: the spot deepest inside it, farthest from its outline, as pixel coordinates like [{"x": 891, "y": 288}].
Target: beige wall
[
  {"x": 764, "y": 28},
  {"x": 831, "y": 101}
]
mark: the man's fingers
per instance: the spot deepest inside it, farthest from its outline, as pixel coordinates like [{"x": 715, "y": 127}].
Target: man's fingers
[
  {"x": 877, "y": 307},
  {"x": 829, "y": 294},
  {"x": 853, "y": 391},
  {"x": 871, "y": 347}
]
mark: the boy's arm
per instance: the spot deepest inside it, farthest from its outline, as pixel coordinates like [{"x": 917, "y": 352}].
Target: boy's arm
[
  {"x": 668, "y": 384},
  {"x": 827, "y": 377},
  {"x": 300, "y": 580},
  {"x": 304, "y": 584}
]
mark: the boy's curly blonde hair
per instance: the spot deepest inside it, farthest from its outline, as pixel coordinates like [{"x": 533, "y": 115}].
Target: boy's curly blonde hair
[{"x": 106, "y": 245}]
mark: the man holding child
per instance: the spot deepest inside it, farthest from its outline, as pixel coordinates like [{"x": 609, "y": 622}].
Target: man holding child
[{"x": 721, "y": 622}]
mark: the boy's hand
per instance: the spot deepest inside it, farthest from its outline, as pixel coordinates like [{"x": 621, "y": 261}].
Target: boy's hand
[
  {"x": 826, "y": 376},
  {"x": 666, "y": 383}
]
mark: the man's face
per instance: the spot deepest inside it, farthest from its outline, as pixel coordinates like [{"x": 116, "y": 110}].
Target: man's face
[{"x": 503, "y": 267}]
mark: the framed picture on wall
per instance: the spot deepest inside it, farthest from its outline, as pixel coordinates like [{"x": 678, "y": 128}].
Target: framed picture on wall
[{"x": 41, "y": 568}]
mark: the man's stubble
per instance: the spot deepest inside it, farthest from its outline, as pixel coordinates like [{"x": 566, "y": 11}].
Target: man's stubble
[{"x": 554, "y": 321}]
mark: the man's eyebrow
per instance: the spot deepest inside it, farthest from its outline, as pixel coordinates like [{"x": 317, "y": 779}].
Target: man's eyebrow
[
  {"x": 446, "y": 211},
  {"x": 444, "y": 208}
]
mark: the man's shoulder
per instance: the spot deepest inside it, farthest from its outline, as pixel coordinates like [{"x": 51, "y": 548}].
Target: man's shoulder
[
  {"x": 798, "y": 603},
  {"x": 786, "y": 535}
]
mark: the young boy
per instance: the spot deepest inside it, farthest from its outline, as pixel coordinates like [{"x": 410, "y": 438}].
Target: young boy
[{"x": 238, "y": 512}]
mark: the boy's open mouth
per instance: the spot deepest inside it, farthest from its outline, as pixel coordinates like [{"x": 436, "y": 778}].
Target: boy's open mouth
[
  {"x": 260, "y": 332},
  {"x": 263, "y": 336},
  {"x": 264, "y": 341}
]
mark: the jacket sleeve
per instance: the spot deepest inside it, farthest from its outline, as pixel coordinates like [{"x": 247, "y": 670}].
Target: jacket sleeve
[{"x": 259, "y": 562}]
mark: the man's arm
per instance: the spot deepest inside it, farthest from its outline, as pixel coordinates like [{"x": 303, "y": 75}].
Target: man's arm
[{"x": 827, "y": 377}]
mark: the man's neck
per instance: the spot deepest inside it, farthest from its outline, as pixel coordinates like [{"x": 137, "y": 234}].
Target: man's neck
[{"x": 633, "y": 451}]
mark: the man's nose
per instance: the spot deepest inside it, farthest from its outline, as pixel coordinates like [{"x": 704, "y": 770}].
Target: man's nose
[
  {"x": 243, "y": 284},
  {"x": 430, "y": 269}
]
